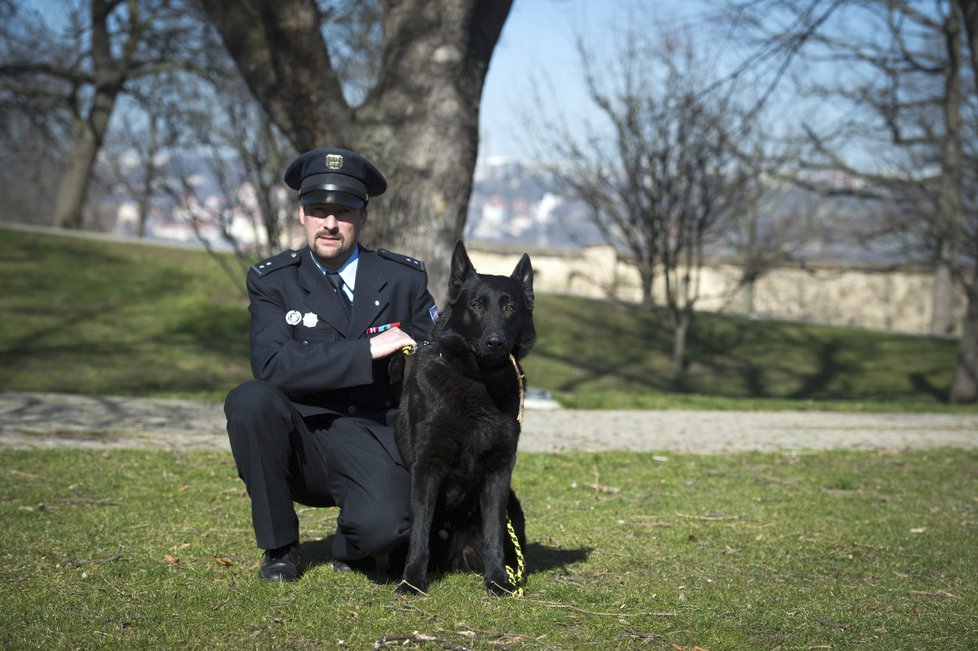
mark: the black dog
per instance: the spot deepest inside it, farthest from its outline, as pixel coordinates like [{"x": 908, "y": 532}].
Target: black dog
[{"x": 457, "y": 428}]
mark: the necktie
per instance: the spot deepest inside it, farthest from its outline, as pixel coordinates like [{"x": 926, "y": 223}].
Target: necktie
[{"x": 337, "y": 283}]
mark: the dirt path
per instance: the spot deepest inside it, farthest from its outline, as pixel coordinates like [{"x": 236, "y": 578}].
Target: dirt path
[{"x": 42, "y": 420}]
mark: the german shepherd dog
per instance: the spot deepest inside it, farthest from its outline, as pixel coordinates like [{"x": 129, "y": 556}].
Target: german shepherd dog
[{"x": 458, "y": 427}]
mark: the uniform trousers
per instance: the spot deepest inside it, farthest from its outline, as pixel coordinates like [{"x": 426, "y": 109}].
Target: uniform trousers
[{"x": 324, "y": 460}]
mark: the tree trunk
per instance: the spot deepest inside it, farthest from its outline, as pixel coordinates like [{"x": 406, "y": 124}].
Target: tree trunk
[
  {"x": 74, "y": 182},
  {"x": 680, "y": 332},
  {"x": 969, "y": 15},
  {"x": 748, "y": 288},
  {"x": 949, "y": 200},
  {"x": 942, "y": 300},
  {"x": 965, "y": 387},
  {"x": 110, "y": 76},
  {"x": 648, "y": 296},
  {"x": 419, "y": 124}
]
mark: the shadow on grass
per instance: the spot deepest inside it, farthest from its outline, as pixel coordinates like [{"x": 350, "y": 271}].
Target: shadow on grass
[
  {"x": 539, "y": 558},
  {"x": 923, "y": 384}
]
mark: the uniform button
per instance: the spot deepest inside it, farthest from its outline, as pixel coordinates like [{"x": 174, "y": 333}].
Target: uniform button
[
  {"x": 352, "y": 409},
  {"x": 305, "y": 343}
]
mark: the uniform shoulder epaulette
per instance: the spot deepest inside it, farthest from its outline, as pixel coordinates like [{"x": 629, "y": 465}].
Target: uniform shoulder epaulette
[
  {"x": 414, "y": 263},
  {"x": 279, "y": 261}
]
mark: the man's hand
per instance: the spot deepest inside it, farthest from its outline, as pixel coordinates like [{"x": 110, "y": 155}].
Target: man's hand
[{"x": 389, "y": 341}]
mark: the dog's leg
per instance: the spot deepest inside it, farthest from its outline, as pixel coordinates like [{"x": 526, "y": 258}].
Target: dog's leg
[
  {"x": 495, "y": 494},
  {"x": 425, "y": 485}
]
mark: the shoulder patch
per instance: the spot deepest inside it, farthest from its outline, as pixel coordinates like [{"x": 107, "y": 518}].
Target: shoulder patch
[
  {"x": 280, "y": 261},
  {"x": 414, "y": 263}
]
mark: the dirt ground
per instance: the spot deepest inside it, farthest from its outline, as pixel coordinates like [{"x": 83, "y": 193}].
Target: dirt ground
[{"x": 41, "y": 420}]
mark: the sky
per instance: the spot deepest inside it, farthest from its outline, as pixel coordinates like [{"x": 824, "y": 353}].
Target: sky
[
  {"x": 536, "y": 48},
  {"x": 537, "y": 42}
]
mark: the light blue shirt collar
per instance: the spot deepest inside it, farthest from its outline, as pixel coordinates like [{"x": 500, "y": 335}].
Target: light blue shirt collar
[{"x": 348, "y": 272}]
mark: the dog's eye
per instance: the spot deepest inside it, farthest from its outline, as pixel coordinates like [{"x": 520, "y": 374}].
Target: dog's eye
[
  {"x": 475, "y": 305},
  {"x": 509, "y": 307}
]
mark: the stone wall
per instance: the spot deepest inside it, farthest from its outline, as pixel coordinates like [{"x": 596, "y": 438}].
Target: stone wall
[{"x": 894, "y": 299}]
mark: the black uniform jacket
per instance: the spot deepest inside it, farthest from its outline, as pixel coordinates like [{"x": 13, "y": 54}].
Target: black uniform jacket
[{"x": 303, "y": 341}]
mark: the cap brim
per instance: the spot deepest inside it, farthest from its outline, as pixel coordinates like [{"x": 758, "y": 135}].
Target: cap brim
[{"x": 326, "y": 197}]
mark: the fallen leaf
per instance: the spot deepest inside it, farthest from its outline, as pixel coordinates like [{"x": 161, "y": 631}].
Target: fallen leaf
[
  {"x": 918, "y": 530},
  {"x": 170, "y": 560},
  {"x": 223, "y": 561}
]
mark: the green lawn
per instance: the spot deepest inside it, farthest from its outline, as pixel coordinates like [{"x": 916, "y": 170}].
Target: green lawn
[
  {"x": 144, "y": 549},
  {"x": 853, "y": 550},
  {"x": 92, "y": 316}
]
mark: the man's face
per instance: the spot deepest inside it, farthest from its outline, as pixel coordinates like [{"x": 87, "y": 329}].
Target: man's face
[{"x": 332, "y": 231}]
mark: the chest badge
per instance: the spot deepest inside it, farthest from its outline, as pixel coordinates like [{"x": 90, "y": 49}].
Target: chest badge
[
  {"x": 293, "y": 317},
  {"x": 310, "y": 319}
]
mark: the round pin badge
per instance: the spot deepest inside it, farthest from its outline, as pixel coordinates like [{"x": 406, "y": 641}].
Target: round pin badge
[
  {"x": 293, "y": 317},
  {"x": 310, "y": 319}
]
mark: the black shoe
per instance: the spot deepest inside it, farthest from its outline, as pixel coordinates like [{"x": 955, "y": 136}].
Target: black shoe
[
  {"x": 281, "y": 564},
  {"x": 364, "y": 564}
]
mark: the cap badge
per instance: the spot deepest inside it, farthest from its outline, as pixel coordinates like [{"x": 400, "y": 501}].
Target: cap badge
[
  {"x": 293, "y": 317},
  {"x": 334, "y": 161}
]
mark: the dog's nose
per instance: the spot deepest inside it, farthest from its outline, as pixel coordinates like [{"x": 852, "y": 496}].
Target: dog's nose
[{"x": 494, "y": 342}]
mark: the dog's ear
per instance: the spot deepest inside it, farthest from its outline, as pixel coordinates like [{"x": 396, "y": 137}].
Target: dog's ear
[
  {"x": 524, "y": 275},
  {"x": 461, "y": 269}
]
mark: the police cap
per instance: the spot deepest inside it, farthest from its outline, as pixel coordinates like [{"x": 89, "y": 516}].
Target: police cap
[{"x": 334, "y": 176}]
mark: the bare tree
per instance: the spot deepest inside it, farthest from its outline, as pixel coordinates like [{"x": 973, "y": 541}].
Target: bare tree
[
  {"x": 663, "y": 171},
  {"x": 85, "y": 65},
  {"x": 136, "y": 152},
  {"x": 776, "y": 223},
  {"x": 418, "y": 120},
  {"x": 901, "y": 75},
  {"x": 234, "y": 184}
]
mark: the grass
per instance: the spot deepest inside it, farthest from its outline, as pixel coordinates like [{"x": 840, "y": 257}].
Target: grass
[
  {"x": 90, "y": 316},
  {"x": 136, "y": 549}
]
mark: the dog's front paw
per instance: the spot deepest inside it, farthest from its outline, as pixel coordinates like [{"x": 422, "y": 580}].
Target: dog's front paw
[
  {"x": 500, "y": 587},
  {"x": 413, "y": 587}
]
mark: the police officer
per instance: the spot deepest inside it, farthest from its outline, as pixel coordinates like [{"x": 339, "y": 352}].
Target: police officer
[{"x": 314, "y": 426}]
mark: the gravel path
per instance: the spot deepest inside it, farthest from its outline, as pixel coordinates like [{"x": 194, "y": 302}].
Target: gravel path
[{"x": 42, "y": 420}]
